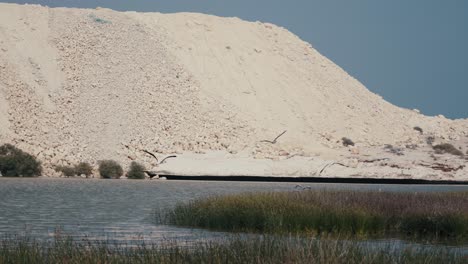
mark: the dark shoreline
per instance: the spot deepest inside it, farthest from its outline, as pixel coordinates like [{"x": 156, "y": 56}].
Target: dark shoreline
[{"x": 314, "y": 180}]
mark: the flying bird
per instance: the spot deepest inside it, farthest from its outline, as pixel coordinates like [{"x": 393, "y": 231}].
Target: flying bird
[{"x": 274, "y": 140}]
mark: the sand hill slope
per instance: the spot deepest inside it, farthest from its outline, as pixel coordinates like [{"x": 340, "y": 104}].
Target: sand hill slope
[{"x": 80, "y": 84}]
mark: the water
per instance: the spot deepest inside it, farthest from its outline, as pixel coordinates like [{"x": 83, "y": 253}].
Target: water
[
  {"x": 124, "y": 210},
  {"x": 117, "y": 210}
]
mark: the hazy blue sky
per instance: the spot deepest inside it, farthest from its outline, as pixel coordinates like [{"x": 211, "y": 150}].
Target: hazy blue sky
[{"x": 412, "y": 52}]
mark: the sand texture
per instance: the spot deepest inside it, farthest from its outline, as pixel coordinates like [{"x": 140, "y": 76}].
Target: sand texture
[{"x": 88, "y": 85}]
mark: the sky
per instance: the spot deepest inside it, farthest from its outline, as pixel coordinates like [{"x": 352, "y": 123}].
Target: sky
[{"x": 412, "y": 53}]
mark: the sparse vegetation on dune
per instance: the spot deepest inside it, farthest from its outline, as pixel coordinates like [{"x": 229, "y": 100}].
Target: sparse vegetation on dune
[
  {"x": 420, "y": 130},
  {"x": 430, "y": 140},
  {"x": 237, "y": 250},
  {"x": 367, "y": 214},
  {"x": 347, "y": 142},
  {"x": 394, "y": 150},
  {"x": 447, "y": 148}
]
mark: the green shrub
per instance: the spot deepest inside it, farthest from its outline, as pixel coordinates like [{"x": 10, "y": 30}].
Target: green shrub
[
  {"x": 136, "y": 171},
  {"x": 84, "y": 168},
  {"x": 67, "y": 171},
  {"x": 347, "y": 142},
  {"x": 447, "y": 148},
  {"x": 109, "y": 169},
  {"x": 16, "y": 163}
]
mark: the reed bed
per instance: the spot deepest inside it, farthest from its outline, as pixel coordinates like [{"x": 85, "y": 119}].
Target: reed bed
[
  {"x": 434, "y": 216},
  {"x": 238, "y": 250}
]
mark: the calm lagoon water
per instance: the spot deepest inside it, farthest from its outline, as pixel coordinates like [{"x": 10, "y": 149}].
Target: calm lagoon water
[{"x": 126, "y": 210}]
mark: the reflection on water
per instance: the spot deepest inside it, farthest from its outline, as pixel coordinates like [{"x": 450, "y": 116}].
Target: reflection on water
[{"x": 124, "y": 210}]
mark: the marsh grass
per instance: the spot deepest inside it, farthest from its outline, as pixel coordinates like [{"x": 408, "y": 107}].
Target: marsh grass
[
  {"x": 428, "y": 216},
  {"x": 236, "y": 250}
]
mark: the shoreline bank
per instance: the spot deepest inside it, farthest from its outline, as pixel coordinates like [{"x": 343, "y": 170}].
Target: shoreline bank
[{"x": 314, "y": 180}]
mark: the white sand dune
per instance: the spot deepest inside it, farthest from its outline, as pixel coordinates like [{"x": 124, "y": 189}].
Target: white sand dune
[{"x": 86, "y": 85}]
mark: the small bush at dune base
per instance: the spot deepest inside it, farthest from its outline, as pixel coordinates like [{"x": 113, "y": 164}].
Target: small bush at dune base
[
  {"x": 67, "y": 171},
  {"x": 447, "y": 148},
  {"x": 109, "y": 169},
  {"x": 16, "y": 163},
  {"x": 137, "y": 171},
  {"x": 84, "y": 168}
]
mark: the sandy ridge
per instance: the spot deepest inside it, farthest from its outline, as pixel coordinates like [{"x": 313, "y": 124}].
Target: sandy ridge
[{"x": 85, "y": 85}]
